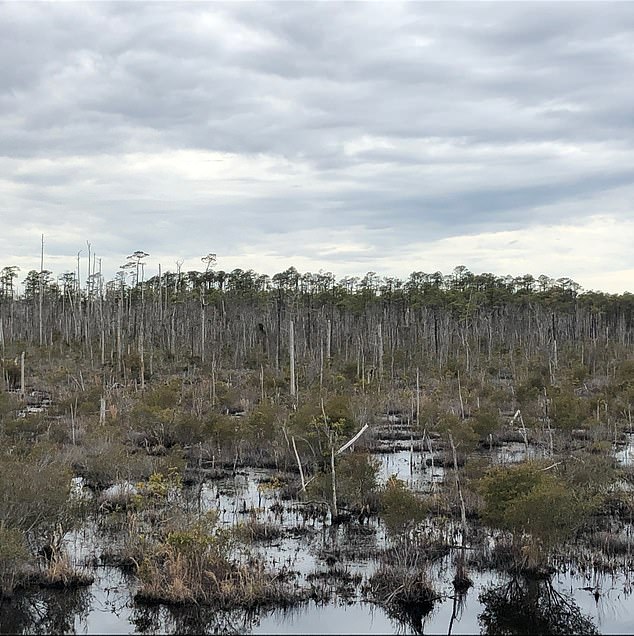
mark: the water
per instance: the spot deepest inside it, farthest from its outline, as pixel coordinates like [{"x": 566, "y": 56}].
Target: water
[
  {"x": 625, "y": 455},
  {"x": 411, "y": 468},
  {"x": 108, "y": 609},
  {"x": 107, "y": 606}
]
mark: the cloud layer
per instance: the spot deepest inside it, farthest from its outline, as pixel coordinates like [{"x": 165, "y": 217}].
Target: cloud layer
[{"x": 348, "y": 137}]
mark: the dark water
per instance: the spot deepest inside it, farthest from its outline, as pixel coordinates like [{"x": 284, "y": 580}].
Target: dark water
[
  {"x": 107, "y": 608},
  {"x": 603, "y": 604}
]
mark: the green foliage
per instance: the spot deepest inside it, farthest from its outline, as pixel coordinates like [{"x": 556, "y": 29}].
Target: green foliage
[
  {"x": 551, "y": 511},
  {"x": 159, "y": 486},
  {"x": 400, "y": 507},
  {"x": 13, "y": 558},
  {"x": 485, "y": 423},
  {"x": 625, "y": 373},
  {"x": 592, "y": 474},
  {"x": 106, "y": 463},
  {"x": 34, "y": 493},
  {"x": 304, "y": 417},
  {"x": 163, "y": 397},
  {"x": 187, "y": 429},
  {"x": 527, "y": 499},
  {"x": 260, "y": 426},
  {"x": 337, "y": 410},
  {"x": 356, "y": 479},
  {"x": 567, "y": 409},
  {"x": 537, "y": 380},
  {"x": 464, "y": 436}
]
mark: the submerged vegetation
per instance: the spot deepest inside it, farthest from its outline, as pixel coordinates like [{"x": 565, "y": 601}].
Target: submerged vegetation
[{"x": 130, "y": 411}]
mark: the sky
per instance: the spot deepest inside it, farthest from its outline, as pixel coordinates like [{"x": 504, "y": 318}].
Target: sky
[{"x": 342, "y": 137}]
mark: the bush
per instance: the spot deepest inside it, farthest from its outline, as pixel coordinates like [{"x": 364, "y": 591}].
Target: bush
[
  {"x": 193, "y": 566},
  {"x": 34, "y": 492},
  {"x": 525, "y": 499},
  {"x": 401, "y": 508},
  {"x": 13, "y": 560}
]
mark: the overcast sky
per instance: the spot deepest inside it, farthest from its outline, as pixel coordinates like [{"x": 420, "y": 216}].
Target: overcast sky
[{"x": 347, "y": 137}]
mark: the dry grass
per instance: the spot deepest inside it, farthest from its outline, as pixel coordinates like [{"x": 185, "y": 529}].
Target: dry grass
[
  {"x": 400, "y": 587},
  {"x": 181, "y": 571},
  {"x": 60, "y": 573},
  {"x": 253, "y": 530}
]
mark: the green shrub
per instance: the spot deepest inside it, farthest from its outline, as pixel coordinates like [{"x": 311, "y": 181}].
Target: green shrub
[
  {"x": 13, "y": 558},
  {"x": 525, "y": 499},
  {"x": 401, "y": 508}
]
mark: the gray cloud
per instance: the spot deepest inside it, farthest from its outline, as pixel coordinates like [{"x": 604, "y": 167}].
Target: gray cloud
[{"x": 177, "y": 127}]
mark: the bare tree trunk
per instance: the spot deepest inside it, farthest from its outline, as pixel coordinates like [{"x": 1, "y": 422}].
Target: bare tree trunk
[
  {"x": 460, "y": 396},
  {"x": 41, "y": 294},
  {"x": 291, "y": 346},
  {"x": 335, "y": 510},
  {"x": 299, "y": 464},
  {"x": 22, "y": 386},
  {"x": 380, "y": 349},
  {"x": 417, "y": 396}
]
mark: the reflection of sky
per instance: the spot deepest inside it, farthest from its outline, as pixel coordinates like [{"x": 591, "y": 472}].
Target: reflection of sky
[
  {"x": 410, "y": 468},
  {"x": 111, "y": 609},
  {"x": 360, "y": 618},
  {"x": 625, "y": 455}
]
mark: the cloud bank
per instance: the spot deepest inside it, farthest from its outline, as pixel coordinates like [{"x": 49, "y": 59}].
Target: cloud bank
[{"x": 340, "y": 136}]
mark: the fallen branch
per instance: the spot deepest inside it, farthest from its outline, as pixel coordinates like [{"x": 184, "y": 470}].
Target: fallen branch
[
  {"x": 299, "y": 463},
  {"x": 353, "y": 440}
]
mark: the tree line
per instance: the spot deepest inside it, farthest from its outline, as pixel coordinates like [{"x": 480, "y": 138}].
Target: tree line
[{"x": 380, "y": 327}]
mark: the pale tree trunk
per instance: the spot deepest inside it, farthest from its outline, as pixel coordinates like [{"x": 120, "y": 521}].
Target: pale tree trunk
[
  {"x": 41, "y": 294},
  {"x": 22, "y": 386},
  {"x": 291, "y": 346},
  {"x": 335, "y": 511}
]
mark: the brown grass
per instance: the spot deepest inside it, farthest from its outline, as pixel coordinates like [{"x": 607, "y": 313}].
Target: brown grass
[{"x": 174, "y": 575}]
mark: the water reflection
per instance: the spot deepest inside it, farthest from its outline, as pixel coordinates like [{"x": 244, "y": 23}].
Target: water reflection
[
  {"x": 192, "y": 619},
  {"x": 530, "y": 606},
  {"x": 45, "y": 612}
]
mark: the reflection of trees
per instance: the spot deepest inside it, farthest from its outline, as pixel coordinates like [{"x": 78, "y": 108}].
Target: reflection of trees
[
  {"x": 531, "y": 606},
  {"x": 47, "y": 612},
  {"x": 192, "y": 619},
  {"x": 410, "y": 616}
]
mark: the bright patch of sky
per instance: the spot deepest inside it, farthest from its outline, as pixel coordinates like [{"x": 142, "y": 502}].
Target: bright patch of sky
[{"x": 344, "y": 137}]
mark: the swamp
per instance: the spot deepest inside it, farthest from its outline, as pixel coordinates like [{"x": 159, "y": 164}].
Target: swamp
[{"x": 224, "y": 452}]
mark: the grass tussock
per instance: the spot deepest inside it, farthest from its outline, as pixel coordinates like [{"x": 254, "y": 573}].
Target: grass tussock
[
  {"x": 193, "y": 568},
  {"x": 400, "y": 588},
  {"x": 59, "y": 573},
  {"x": 257, "y": 531}
]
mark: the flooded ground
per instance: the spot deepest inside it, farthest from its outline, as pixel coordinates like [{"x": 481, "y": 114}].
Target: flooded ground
[{"x": 311, "y": 548}]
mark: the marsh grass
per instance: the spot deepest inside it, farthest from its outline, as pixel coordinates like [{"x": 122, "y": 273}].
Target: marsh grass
[
  {"x": 401, "y": 590},
  {"x": 252, "y": 531},
  {"x": 194, "y": 567},
  {"x": 60, "y": 573}
]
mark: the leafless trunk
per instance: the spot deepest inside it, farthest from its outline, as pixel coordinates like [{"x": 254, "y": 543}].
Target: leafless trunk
[
  {"x": 291, "y": 347},
  {"x": 22, "y": 385}
]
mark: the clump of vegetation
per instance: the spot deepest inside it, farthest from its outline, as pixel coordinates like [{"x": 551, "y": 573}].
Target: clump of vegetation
[
  {"x": 401, "y": 509},
  {"x": 252, "y": 531},
  {"x": 13, "y": 558},
  {"x": 407, "y": 594},
  {"x": 59, "y": 572},
  {"x": 527, "y": 606},
  {"x": 194, "y": 566},
  {"x": 540, "y": 509}
]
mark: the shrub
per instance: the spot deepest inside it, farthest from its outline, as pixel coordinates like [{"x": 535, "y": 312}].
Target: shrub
[
  {"x": 13, "y": 560},
  {"x": 401, "y": 508},
  {"x": 525, "y": 499},
  {"x": 193, "y": 566}
]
